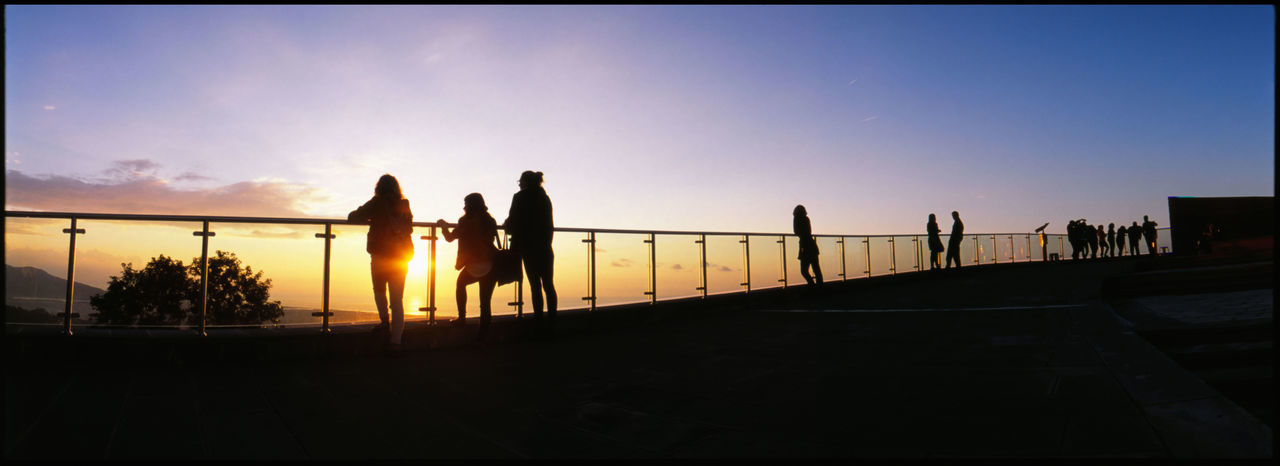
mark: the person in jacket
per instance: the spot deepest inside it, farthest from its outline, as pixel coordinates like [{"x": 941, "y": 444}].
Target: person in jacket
[
  {"x": 808, "y": 246},
  {"x": 1122, "y": 237},
  {"x": 935, "y": 242},
  {"x": 390, "y": 247},
  {"x": 477, "y": 235},
  {"x": 531, "y": 227},
  {"x": 953, "y": 242}
]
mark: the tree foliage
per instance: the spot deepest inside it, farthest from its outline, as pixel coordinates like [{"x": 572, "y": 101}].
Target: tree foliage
[{"x": 166, "y": 292}]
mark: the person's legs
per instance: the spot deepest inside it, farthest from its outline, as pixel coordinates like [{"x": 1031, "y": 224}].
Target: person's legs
[
  {"x": 379, "y": 288},
  {"x": 395, "y": 283},
  {"x": 460, "y": 293},
  {"x": 817, "y": 270},
  {"x": 547, "y": 277},
  {"x": 535, "y": 284},
  {"x": 804, "y": 270}
]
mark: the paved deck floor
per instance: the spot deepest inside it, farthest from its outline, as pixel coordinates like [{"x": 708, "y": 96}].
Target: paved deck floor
[{"x": 1024, "y": 362}]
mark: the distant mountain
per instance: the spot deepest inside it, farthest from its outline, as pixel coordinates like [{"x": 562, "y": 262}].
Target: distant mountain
[{"x": 32, "y": 288}]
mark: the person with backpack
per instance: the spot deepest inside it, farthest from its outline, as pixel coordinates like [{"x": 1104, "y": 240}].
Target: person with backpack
[
  {"x": 390, "y": 247},
  {"x": 530, "y": 225}
]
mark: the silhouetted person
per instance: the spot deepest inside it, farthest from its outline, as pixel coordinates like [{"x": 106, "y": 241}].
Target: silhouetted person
[
  {"x": 808, "y": 246},
  {"x": 1122, "y": 236},
  {"x": 530, "y": 226},
  {"x": 390, "y": 246},
  {"x": 1135, "y": 236},
  {"x": 1091, "y": 237},
  {"x": 1149, "y": 233},
  {"x": 953, "y": 242},
  {"x": 1111, "y": 240},
  {"x": 476, "y": 233},
  {"x": 1075, "y": 236},
  {"x": 935, "y": 242},
  {"x": 1102, "y": 241}
]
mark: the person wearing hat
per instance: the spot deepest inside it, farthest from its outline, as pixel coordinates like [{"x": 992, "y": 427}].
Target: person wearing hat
[
  {"x": 477, "y": 234},
  {"x": 530, "y": 225}
]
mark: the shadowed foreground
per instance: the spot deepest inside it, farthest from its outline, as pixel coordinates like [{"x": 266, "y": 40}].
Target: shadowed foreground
[{"x": 1021, "y": 360}]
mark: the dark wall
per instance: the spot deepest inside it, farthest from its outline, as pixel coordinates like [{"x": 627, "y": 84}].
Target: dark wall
[{"x": 1236, "y": 217}]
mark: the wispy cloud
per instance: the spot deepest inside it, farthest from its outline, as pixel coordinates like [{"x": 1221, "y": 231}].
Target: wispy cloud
[
  {"x": 623, "y": 263},
  {"x": 50, "y": 107},
  {"x": 133, "y": 188},
  {"x": 677, "y": 267},
  {"x": 864, "y": 120},
  {"x": 851, "y": 82}
]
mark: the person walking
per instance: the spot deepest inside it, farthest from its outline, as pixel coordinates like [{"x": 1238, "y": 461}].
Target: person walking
[
  {"x": 477, "y": 233},
  {"x": 808, "y": 246},
  {"x": 953, "y": 242},
  {"x": 531, "y": 227},
  {"x": 390, "y": 247},
  {"x": 935, "y": 242}
]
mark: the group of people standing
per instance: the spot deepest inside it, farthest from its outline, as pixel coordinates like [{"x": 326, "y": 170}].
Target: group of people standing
[
  {"x": 390, "y": 247},
  {"x": 1090, "y": 242}
]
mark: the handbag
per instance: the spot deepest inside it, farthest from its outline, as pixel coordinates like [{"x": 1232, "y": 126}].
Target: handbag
[{"x": 506, "y": 266}]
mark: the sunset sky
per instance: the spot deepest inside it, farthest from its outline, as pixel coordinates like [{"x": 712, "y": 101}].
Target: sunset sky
[{"x": 644, "y": 117}]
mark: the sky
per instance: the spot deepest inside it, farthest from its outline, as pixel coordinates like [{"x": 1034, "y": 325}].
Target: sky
[
  {"x": 716, "y": 118},
  {"x": 684, "y": 118}
]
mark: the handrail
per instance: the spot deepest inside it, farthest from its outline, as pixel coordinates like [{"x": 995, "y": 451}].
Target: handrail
[
  {"x": 339, "y": 221},
  {"x": 652, "y": 297}
]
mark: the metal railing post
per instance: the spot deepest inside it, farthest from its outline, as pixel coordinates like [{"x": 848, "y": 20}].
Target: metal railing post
[
  {"x": 517, "y": 292},
  {"x": 71, "y": 277},
  {"x": 324, "y": 307},
  {"x": 893, "y": 257},
  {"x": 915, "y": 246},
  {"x": 782, "y": 259},
  {"x": 591, "y": 269},
  {"x": 204, "y": 234},
  {"x": 867, "y": 246},
  {"x": 746, "y": 261},
  {"x": 977, "y": 256},
  {"x": 430, "y": 308},
  {"x": 843, "y": 276},
  {"x": 1061, "y": 251},
  {"x": 1028, "y": 248},
  {"x": 995, "y": 250},
  {"x": 702, "y": 248},
  {"x": 653, "y": 269}
]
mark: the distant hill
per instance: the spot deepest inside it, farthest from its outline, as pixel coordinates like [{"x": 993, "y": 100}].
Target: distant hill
[{"x": 32, "y": 288}]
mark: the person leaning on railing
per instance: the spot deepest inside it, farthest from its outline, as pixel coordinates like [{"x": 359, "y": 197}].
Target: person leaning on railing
[{"x": 390, "y": 247}]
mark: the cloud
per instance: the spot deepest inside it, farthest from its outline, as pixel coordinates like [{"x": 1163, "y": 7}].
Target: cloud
[
  {"x": 50, "y": 107},
  {"x": 851, "y": 82},
  {"x": 623, "y": 263},
  {"x": 135, "y": 191},
  {"x": 864, "y": 120},
  {"x": 676, "y": 267},
  {"x": 724, "y": 268}
]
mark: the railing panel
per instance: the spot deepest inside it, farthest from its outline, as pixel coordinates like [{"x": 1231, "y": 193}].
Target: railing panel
[
  {"x": 679, "y": 266},
  {"x": 792, "y": 259},
  {"x": 622, "y": 269},
  {"x": 289, "y": 255},
  {"x": 40, "y": 243},
  {"x": 107, "y": 244},
  {"x": 829, "y": 258},
  {"x": 765, "y": 271},
  {"x": 881, "y": 260},
  {"x": 724, "y": 264}
]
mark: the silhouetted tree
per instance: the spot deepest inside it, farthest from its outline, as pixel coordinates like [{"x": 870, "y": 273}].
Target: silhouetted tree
[{"x": 166, "y": 292}]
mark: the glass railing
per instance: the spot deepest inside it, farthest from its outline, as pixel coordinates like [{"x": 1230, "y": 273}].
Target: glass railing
[{"x": 319, "y": 270}]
